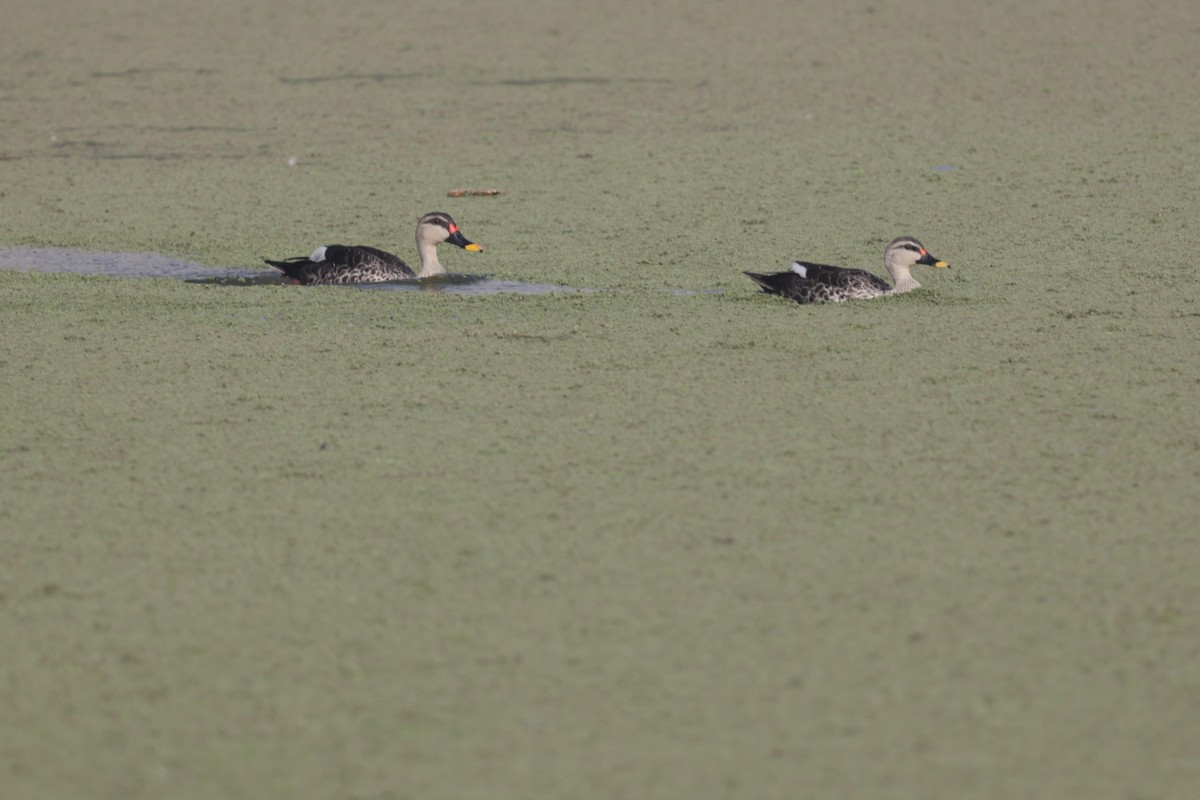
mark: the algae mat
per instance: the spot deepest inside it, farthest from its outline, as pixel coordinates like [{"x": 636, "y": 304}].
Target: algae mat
[{"x": 275, "y": 542}]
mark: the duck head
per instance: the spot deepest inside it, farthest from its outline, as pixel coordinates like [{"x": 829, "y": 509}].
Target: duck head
[
  {"x": 902, "y": 255},
  {"x": 437, "y": 227},
  {"x": 908, "y": 252}
]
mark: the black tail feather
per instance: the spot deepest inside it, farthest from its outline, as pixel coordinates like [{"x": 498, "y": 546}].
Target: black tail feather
[
  {"x": 772, "y": 284},
  {"x": 290, "y": 266}
]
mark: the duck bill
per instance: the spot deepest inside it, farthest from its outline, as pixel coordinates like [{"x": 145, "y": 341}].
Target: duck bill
[
  {"x": 457, "y": 239},
  {"x": 930, "y": 260}
]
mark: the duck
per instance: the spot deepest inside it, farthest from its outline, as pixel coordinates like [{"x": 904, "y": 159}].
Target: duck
[
  {"x": 806, "y": 282},
  {"x": 341, "y": 264}
]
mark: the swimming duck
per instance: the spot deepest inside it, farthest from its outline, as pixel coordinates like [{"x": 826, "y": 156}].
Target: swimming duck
[
  {"x": 338, "y": 263},
  {"x": 819, "y": 283}
]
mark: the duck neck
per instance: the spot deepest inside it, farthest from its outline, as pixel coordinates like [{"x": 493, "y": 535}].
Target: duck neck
[
  {"x": 903, "y": 279},
  {"x": 430, "y": 265}
]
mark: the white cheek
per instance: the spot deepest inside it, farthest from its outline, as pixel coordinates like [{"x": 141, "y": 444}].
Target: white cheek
[
  {"x": 799, "y": 269},
  {"x": 317, "y": 256}
]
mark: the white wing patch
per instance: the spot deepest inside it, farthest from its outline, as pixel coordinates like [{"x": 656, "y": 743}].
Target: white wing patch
[
  {"x": 317, "y": 256},
  {"x": 799, "y": 269}
]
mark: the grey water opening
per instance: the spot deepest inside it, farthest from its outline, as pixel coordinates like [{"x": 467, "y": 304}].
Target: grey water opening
[
  {"x": 152, "y": 265},
  {"x": 114, "y": 265}
]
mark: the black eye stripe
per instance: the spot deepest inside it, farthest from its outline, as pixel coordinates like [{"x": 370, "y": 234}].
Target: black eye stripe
[{"x": 438, "y": 219}]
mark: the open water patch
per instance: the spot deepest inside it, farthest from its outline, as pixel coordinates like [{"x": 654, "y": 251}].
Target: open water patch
[
  {"x": 152, "y": 265},
  {"x": 114, "y": 265}
]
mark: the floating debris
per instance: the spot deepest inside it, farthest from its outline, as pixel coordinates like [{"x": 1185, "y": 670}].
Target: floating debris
[{"x": 474, "y": 192}]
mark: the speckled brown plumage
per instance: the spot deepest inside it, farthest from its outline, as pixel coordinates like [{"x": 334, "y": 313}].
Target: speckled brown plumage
[{"x": 343, "y": 265}]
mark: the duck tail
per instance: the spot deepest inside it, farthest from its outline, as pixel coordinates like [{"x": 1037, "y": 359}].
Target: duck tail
[
  {"x": 290, "y": 267},
  {"x": 771, "y": 284}
]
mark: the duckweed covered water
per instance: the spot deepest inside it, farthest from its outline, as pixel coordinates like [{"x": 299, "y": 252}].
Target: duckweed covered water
[
  {"x": 622, "y": 543},
  {"x": 471, "y": 285}
]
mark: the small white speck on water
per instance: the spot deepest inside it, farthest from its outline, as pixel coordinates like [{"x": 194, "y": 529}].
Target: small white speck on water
[{"x": 293, "y": 161}]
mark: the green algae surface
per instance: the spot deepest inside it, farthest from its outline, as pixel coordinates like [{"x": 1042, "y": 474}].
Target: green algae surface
[{"x": 312, "y": 542}]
